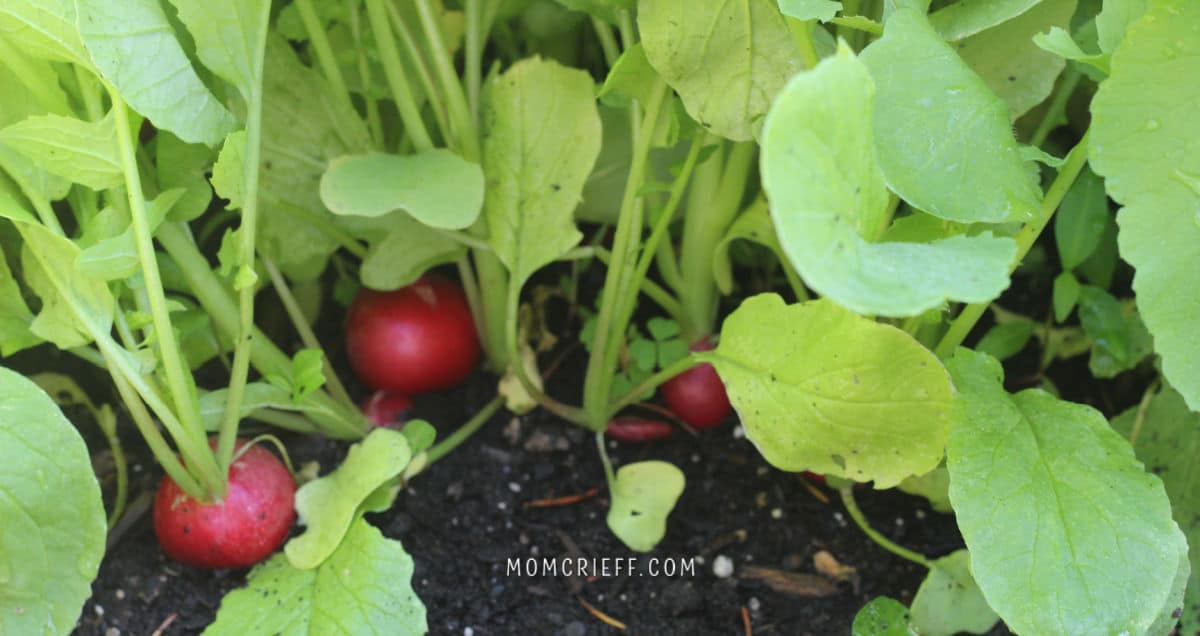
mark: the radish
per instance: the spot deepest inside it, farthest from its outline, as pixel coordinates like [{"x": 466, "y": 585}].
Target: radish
[
  {"x": 387, "y": 408},
  {"x": 697, "y": 395},
  {"x": 246, "y": 527},
  {"x": 412, "y": 340},
  {"x": 637, "y": 429}
]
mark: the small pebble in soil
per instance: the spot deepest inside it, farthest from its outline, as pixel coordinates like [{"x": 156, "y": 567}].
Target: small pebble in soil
[
  {"x": 841, "y": 521},
  {"x": 467, "y": 631},
  {"x": 112, "y": 631},
  {"x": 754, "y": 604},
  {"x": 776, "y": 513},
  {"x": 514, "y": 486},
  {"x": 695, "y": 458},
  {"x": 920, "y": 514},
  {"x": 739, "y": 432},
  {"x": 575, "y": 628},
  {"x": 99, "y": 610},
  {"x": 120, "y": 594},
  {"x": 722, "y": 566}
]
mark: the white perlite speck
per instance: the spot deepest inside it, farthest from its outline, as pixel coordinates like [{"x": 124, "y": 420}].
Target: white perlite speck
[{"x": 722, "y": 566}]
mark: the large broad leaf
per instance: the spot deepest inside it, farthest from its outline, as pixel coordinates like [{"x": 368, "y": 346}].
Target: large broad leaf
[
  {"x": 949, "y": 601},
  {"x": 437, "y": 187},
  {"x": 80, "y": 151},
  {"x": 1005, "y": 56},
  {"x": 52, "y": 536},
  {"x": 132, "y": 44},
  {"x": 828, "y": 199},
  {"x": 938, "y": 126},
  {"x": 1168, "y": 441},
  {"x": 43, "y": 28},
  {"x": 534, "y": 177},
  {"x": 229, "y": 37},
  {"x": 365, "y": 587},
  {"x": 183, "y": 165},
  {"x": 968, "y": 17},
  {"x": 1068, "y": 534},
  {"x": 330, "y": 504},
  {"x": 1115, "y": 18},
  {"x": 819, "y": 388},
  {"x": 1143, "y": 144},
  {"x": 305, "y": 126},
  {"x": 727, "y": 60},
  {"x": 406, "y": 251},
  {"x": 643, "y": 495}
]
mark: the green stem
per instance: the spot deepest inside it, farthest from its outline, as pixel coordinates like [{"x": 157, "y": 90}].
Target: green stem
[
  {"x": 194, "y": 444},
  {"x": 1055, "y": 113},
  {"x": 461, "y": 120},
  {"x": 1144, "y": 405},
  {"x": 847, "y": 494},
  {"x": 609, "y": 476},
  {"x": 292, "y": 308},
  {"x": 324, "y": 225},
  {"x": 364, "y": 75},
  {"x": 667, "y": 265},
  {"x": 393, "y": 69},
  {"x": 282, "y": 419},
  {"x": 108, "y": 425},
  {"x": 608, "y": 43},
  {"x": 803, "y": 32},
  {"x": 512, "y": 331},
  {"x": 414, "y": 52},
  {"x": 478, "y": 26},
  {"x": 704, "y": 227},
  {"x": 239, "y": 374},
  {"x": 652, "y": 290},
  {"x": 464, "y": 239},
  {"x": 464, "y": 432},
  {"x": 1026, "y": 237},
  {"x": 844, "y": 31},
  {"x": 607, "y": 340},
  {"x": 651, "y": 383},
  {"x": 324, "y": 54}
]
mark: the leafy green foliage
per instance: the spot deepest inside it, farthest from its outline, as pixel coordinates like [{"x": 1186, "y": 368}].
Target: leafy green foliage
[
  {"x": 1167, "y": 438},
  {"x": 1119, "y": 339},
  {"x": 54, "y": 525},
  {"x": 1081, "y": 219},
  {"x": 826, "y": 211},
  {"x": 643, "y": 495},
  {"x": 229, "y": 36},
  {"x": 933, "y": 486},
  {"x": 1140, "y": 146},
  {"x": 44, "y": 28},
  {"x": 928, "y": 147},
  {"x": 82, "y": 152},
  {"x": 437, "y": 187},
  {"x": 883, "y": 616},
  {"x": 949, "y": 601},
  {"x": 408, "y": 249},
  {"x": 1007, "y": 339},
  {"x": 823, "y": 10},
  {"x": 534, "y": 179},
  {"x": 726, "y": 75},
  {"x": 1065, "y": 295},
  {"x": 968, "y": 17},
  {"x": 364, "y": 587},
  {"x": 862, "y": 401},
  {"x": 1066, "y": 559},
  {"x": 330, "y": 505}
]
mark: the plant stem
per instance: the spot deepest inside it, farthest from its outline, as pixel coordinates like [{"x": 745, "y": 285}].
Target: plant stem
[
  {"x": 478, "y": 26},
  {"x": 609, "y": 475},
  {"x": 464, "y": 432},
  {"x": 462, "y": 123},
  {"x": 607, "y": 340},
  {"x": 304, "y": 330},
  {"x": 652, "y": 290},
  {"x": 393, "y": 69},
  {"x": 108, "y": 425},
  {"x": 364, "y": 76},
  {"x": 248, "y": 234},
  {"x": 803, "y": 31},
  {"x": 282, "y": 419},
  {"x": 1026, "y": 237},
  {"x": 1055, "y": 113},
  {"x": 324, "y": 54},
  {"x": 1143, "y": 406},
  {"x": 414, "y": 52},
  {"x": 653, "y": 382},
  {"x": 193, "y": 444},
  {"x": 608, "y": 43},
  {"x": 324, "y": 225},
  {"x": 512, "y": 331},
  {"x": 847, "y": 493}
]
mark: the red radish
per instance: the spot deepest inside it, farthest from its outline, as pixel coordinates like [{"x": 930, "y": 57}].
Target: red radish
[
  {"x": 697, "y": 395},
  {"x": 638, "y": 429},
  {"x": 385, "y": 408},
  {"x": 413, "y": 340},
  {"x": 239, "y": 531}
]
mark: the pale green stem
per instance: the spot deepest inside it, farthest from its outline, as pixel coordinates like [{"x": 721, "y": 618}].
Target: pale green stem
[
  {"x": 847, "y": 494},
  {"x": 393, "y": 69}
]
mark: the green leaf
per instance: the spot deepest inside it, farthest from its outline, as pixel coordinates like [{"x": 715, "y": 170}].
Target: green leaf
[
  {"x": 1081, "y": 218},
  {"x": 1087, "y": 538},
  {"x": 752, "y": 225},
  {"x": 1059, "y": 42},
  {"x": 329, "y": 505},
  {"x": 1169, "y": 443},
  {"x": 82, "y": 152},
  {"x": 1005, "y": 56},
  {"x": 408, "y": 250},
  {"x": 116, "y": 257},
  {"x": 229, "y": 38},
  {"x": 1006, "y": 340},
  {"x": 631, "y": 78},
  {"x": 535, "y": 179},
  {"x": 1141, "y": 122},
  {"x": 968, "y": 17},
  {"x": 364, "y": 587},
  {"x": 606, "y": 10},
  {"x": 308, "y": 373},
  {"x": 1066, "y": 294},
  {"x": 305, "y": 126},
  {"x": 228, "y": 172},
  {"x": 823, "y": 10},
  {"x": 1116, "y": 17},
  {"x": 75, "y": 306},
  {"x": 643, "y": 496},
  {"x": 938, "y": 125},
  {"x": 52, "y": 538},
  {"x": 828, "y": 200},
  {"x": 727, "y": 75},
  {"x": 933, "y": 486},
  {"x": 183, "y": 165},
  {"x": 132, "y": 44},
  {"x": 44, "y": 28},
  {"x": 883, "y": 616},
  {"x": 863, "y": 401},
  {"x": 260, "y": 395},
  {"x": 437, "y": 187},
  {"x": 15, "y": 316},
  {"x": 949, "y": 601},
  {"x": 662, "y": 328},
  {"x": 1119, "y": 338}
]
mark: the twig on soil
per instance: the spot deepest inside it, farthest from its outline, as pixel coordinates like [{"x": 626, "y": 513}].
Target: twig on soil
[
  {"x": 813, "y": 490},
  {"x": 793, "y": 583},
  {"x": 746, "y": 621},
  {"x": 165, "y": 624},
  {"x": 604, "y": 618},
  {"x": 133, "y": 512},
  {"x": 565, "y": 500}
]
